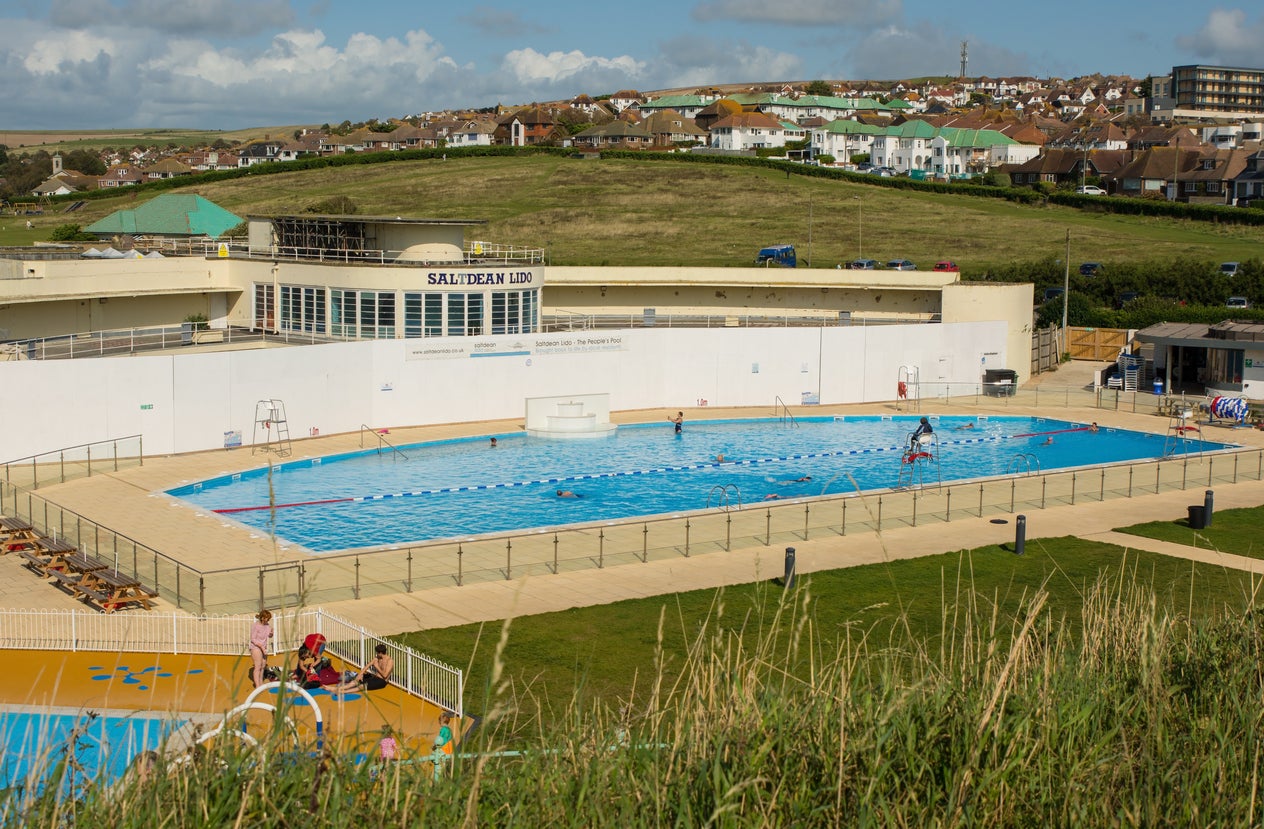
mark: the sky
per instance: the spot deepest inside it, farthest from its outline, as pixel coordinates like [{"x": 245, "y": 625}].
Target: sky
[{"x": 235, "y": 64}]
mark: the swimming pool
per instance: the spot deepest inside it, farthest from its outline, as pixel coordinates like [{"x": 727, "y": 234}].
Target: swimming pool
[
  {"x": 459, "y": 488},
  {"x": 36, "y": 740}
]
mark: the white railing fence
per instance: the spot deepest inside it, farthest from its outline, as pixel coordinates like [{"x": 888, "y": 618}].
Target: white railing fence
[{"x": 74, "y": 630}]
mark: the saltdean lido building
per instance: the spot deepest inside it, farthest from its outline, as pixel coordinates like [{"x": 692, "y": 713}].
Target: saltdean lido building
[{"x": 381, "y": 278}]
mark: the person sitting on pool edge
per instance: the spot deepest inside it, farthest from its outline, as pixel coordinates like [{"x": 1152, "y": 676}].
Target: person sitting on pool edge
[
  {"x": 374, "y": 675},
  {"x": 566, "y": 493}
]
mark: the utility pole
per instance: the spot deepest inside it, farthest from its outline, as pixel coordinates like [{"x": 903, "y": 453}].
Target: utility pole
[{"x": 1066, "y": 291}]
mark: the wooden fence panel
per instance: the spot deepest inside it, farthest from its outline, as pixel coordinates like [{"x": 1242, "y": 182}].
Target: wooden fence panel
[{"x": 1095, "y": 343}]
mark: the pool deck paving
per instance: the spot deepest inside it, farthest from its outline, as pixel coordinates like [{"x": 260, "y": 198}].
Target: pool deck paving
[{"x": 132, "y": 502}]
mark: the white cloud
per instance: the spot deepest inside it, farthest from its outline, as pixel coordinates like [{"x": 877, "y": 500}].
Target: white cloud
[
  {"x": 51, "y": 55},
  {"x": 1227, "y": 38},
  {"x": 303, "y": 65},
  {"x": 528, "y": 66},
  {"x": 801, "y": 12}
]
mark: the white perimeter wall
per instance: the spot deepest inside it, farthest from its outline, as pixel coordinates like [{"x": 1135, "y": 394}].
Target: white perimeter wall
[{"x": 186, "y": 402}]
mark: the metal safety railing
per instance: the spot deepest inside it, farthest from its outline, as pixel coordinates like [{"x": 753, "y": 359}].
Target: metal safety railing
[
  {"x": 365, "y": 573},
  {"x": 173, "y": 633},
  {"x": 82, "y": 461}
]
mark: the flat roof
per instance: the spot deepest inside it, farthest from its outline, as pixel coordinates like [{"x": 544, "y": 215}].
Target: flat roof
[
  {"x": 1230, "y": 334},
  {"x": 381, "y": 220}
]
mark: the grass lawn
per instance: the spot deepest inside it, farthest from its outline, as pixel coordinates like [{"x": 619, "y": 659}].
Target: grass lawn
[
  {"x": 1236, "y": 531},
  {"x": 647, "y": 213},
  {"x": 612, "y": 651}
]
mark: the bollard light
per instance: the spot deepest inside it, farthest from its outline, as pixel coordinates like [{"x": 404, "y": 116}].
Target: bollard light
[
  {"x": 1020, "y": 535},
  {"x": 788, "y": 580},
  {"x": 1209, "y": 501}
]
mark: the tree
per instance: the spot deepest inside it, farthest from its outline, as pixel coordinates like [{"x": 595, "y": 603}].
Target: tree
[
  {"x": 819, "y": 88},
  {"x": 84, "y": 162}
]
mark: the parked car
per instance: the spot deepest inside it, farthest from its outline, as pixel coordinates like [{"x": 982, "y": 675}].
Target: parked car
[
  {"x": 1090, "y": 190},
  {"x": 1126, "y": 297},
  {"x": 1091, "y": 269},
  {"x": 1238, "y": 302},
  {"x": 901, "y": 265},
  {"x": 864, "y": 265},
  {"x": 1229, "y": 268},
  {"x": 946, "y": 265},
  {"x": 1052, "y": 293}
]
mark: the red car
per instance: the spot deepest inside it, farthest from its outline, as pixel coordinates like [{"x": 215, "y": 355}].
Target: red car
[{"x": 946, "y": 265}]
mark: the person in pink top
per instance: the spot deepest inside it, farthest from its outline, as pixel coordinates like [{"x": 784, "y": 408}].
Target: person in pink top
[
  {"x": 387, "y": 746},
  {"x": 260, "y": 633}
]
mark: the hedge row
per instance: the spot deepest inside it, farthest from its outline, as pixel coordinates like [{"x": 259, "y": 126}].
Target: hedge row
[
  {"x": 1021, "y": 195},
  {"x": 309, "y": 163}
]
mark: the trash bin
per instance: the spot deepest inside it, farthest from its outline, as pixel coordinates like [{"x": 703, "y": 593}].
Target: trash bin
[
  {"x": 1000, "y": 382},
  {"x": 1158, "y": 385},
  {"x": 1197, "y": 517}
]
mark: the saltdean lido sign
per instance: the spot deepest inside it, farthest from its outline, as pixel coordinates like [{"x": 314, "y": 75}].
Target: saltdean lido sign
[
  {"x": 450, "y": 348},
  {"x": 478, "y": 278}
]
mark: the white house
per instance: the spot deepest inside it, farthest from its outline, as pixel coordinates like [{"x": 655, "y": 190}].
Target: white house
[
  {"x": 843, "y": 138},
  {"x": 747, "y": 131}
]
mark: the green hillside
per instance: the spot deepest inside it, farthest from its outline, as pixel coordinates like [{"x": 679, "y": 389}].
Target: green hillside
[{"x": 633, "y": 212}]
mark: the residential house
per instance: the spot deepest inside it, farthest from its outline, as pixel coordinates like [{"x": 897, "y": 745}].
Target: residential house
[
  {"x": 120, "y": 175},
  {"x": 844, "y": 139},
  {"x": 167, "y": 168},
  {"x": 747, "y": 131},
  {"x": 1157, "y": 171},
  {"x": 625, "y": 98},
  {"x": 1211, "y": 181},
  {"x": 465, "y": 133},
  {"x": 527, "y": 126},
  {"x": 671, "y": 128},
  {"x": 617, "y": 134},
  {"x": 63, "y": 181},
  {"x": 956, "y": 152},
  {"x": 1066, "y": 166},
  {"x": 686, "y": 105},
  {"x": 259, "y": 152},
  {"x": 1248, "y": 186}
]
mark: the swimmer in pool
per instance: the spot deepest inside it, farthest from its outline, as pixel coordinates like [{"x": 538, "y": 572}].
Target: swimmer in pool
[
  {"x": 797, "y": 480},
  {"x": 566, "y": 493},
  {"x": 493, "y": 443},
  {"x": 1093, "y": 426},
  {"x": 679, "y": 420},
  {"x": 966, "y": 426},
  {"x": 772, "y": 497},
  {"x": 1048, "y": 441},
  {"x": 719, "y": 458}
]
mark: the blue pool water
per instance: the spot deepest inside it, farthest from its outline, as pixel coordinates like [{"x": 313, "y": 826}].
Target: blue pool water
[
  {"x": 40, "y": 740},
  {"x": 451, "y": 489}
]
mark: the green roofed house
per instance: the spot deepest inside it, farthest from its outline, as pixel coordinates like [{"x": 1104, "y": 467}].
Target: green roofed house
[{"x": 173, "y": 215}]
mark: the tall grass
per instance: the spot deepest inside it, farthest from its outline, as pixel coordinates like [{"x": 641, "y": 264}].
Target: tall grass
[{"x": 1133, "y": 715}]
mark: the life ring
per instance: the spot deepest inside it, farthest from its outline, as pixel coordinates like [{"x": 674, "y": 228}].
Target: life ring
[
  {"x": 911, "y": 457},
  {"x": 902, "y": 390}
]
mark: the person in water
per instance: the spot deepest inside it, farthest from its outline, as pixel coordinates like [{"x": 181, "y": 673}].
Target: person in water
[
  {"x": 679, "y": 420},
  {"x": 566, "y": 493}
]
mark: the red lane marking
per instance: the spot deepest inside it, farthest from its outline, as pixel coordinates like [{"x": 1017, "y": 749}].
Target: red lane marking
[
  {"x": 1055, "y": 432},
  {"x": 283, "y": 506}
]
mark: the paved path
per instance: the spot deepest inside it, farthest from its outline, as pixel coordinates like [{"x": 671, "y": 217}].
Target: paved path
[
  {"x": 131, "y": 501},
  {"x": 493, "y": 601}
]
